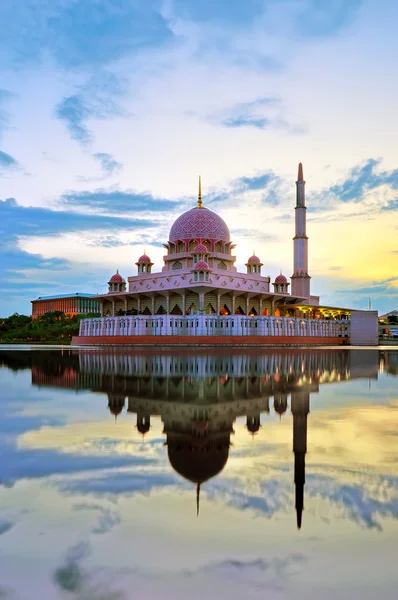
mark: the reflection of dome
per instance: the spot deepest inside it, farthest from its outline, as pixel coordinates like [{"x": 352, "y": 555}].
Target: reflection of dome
[
  {"x": 116, "y": 278},
  {"x": 144, "y": 259},
  {"x": 201, "y": 224},
  {"x": 198, "y": 464},
  {"x": 201, "y": 266},
  {"x": 254, "y": 260},
  {"x": 200, "y": 249},
  {"x": 280, "y": 279}
]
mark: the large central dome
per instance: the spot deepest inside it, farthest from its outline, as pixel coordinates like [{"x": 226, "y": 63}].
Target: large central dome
[{"x": 200, "y": 224}]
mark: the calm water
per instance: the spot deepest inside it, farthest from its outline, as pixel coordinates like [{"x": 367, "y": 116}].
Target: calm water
[{"x": 244, "y": 475}]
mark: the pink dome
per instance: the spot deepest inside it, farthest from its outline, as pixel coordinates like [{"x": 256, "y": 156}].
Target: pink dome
[
  {"x": 144, "y": 259},
  {"x": 200, "y": 224},
  {"x": 254, "y": 260},
  {"x": 280, "y": 279},
  {"x": 116, "y": 278},
  {"x": 201, "y": 266},
  {"x": 200, "y": 249}
]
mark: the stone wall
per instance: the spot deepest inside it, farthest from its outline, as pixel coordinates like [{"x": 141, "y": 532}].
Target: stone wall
[{"x": 364, "y": 328}]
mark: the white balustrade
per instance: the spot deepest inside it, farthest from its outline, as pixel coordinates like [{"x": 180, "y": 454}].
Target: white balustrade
[{"x": 212, "y": 325}]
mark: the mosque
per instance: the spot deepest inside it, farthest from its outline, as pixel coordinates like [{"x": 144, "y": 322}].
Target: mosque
[{"x": 199, "y": 292}]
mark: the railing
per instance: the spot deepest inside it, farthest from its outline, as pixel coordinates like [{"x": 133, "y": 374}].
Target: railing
[{"x": 208, "y": 325}]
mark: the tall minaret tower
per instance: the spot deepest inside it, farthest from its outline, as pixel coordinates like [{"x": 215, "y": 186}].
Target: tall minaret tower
[{"x": 300, "y": 278}]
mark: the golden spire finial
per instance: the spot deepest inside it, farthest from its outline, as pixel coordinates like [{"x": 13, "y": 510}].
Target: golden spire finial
[{"x": 200, "y": 193}]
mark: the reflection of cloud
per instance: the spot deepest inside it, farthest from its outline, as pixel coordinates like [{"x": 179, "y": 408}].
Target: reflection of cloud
[
  {"x": 72, "y": 578},
  {"x": 107, "y": 519},
  {"x": 5, "y": 526},
  {"x": 31, "y": 464},
  {"x": 126, "y": 482}
]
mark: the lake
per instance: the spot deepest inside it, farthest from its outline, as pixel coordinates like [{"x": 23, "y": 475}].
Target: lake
[{"x": 183, "y": 474}]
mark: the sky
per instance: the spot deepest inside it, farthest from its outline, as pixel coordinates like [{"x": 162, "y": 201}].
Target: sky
[{"x": 110, "y": 111}]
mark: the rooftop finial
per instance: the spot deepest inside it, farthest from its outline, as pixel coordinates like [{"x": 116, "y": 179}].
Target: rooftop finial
[
  {"x": 200, "y": 193},
  {"x": 300, "y": 172}
]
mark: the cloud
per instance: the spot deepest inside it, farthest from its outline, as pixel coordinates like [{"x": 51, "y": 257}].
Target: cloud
[
  {"x": 380, "y": 287},
  {"x": 119, "y": 201},
  {"x": 109, "y": 165},
  {"x": 97, "y": 99},
  {"x": 361, "y": 179},
  {"x": 309, "y": 18},
  {"x": 266, "y": 188},
  {"x": 18, "y": 222},
  {"x": 224, "y": 12},
  {"x": 261, "y": 113},
  {"x": 320, "y": 19},
  {"x": 5, "y": 526},
  {"x": 4, "y": 117},
  {"x": 8, "y": 162},
  {"x": 79, "y": 35}
]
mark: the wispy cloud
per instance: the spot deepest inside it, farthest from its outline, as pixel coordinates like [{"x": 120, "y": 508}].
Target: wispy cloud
[
  {"x": 5, "y": 95},
  {"x": 109, "y": 165},
  {"x": 261, "y": 113},
  {"x": 8, "y": 162},
  {"x": 79, "y": 35},
  {"x": 97, "y": 99},
  {"x": 115, "y": 201}
]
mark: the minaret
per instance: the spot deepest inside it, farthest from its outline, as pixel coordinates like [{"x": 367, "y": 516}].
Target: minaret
[
  {"x": 300, "y": 403},
  {"x": 300, "y": 278}
]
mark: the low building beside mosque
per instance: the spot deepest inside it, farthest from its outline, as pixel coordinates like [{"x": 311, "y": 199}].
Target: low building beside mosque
[{"x": 200, "y": 293}]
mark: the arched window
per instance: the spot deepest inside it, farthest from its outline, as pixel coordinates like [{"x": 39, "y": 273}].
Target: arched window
[
  {"x": 201, "y": 276},
  {"x": 195, "y": 276}
]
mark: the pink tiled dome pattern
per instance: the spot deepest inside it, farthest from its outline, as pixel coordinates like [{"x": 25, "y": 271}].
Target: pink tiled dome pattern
[
  {"x": 280, "y": 279},
  {"x": 144, "y": 259},
  {"x": 116, "y": 278},
  {"x": 254, "y": 260},
  {"x": 201, "y": 224},
  {"x": 200, "y": 249},
  {"x": 201, "y": 266}
]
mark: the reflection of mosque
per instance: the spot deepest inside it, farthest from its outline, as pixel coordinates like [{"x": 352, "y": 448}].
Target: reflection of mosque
[
  {"x": 199, "y": 397},
  {"x": 198, "y": 433}
]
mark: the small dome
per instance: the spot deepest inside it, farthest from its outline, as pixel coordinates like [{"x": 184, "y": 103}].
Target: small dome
[
  {"x": 200, "y": 249},
  {"x": 201, "y": 266},
  {"x": 116, "y": 278},
  {"x": 144, "y": 259},
  {"x": 254, "y": 260},
  {"x": 280, "y": 279}
]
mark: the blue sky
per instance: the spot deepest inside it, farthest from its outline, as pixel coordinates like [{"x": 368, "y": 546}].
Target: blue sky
[{"x": 109, "y": 111}]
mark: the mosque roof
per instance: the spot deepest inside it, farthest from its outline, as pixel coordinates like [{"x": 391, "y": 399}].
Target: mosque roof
[
  {"x": 280, "y": 279},
  {"x": 254, "y": 260},
  {"x": 200, "y": 249},
  {"x": 116, "y": 278},
  {"x": 201, "y": 266},
  {"x": 201, "y": 224},
  {"x": 144, "y": 259}
]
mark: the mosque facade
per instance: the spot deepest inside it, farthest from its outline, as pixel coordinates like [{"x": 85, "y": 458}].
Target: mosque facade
[{"x": 199, "y": 292}]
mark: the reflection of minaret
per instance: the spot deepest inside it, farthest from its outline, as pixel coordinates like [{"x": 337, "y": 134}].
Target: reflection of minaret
[
  {"x": 115, "y": 404},
  {"x": 300, "y": 402}
]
